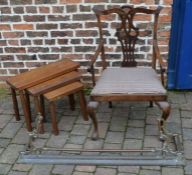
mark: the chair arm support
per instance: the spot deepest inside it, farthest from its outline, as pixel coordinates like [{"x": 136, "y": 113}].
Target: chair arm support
[
  {"x": 90, "y": 68},
  {"x": 159, "y": 58}
]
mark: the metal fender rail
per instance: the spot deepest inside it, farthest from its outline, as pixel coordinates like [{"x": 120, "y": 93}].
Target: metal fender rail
[{"x": 165, "y": 156}]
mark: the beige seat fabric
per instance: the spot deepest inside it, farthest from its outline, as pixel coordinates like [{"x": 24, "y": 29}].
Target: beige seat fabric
[{"x": 128, "y": 81}]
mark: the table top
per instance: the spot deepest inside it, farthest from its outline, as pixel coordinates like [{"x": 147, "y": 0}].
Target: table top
[{"x": 41, "y": 74}]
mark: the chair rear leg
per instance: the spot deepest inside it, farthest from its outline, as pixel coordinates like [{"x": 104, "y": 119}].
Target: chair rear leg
[
  {"x": 150, "y": 104},
  {"x": 110, "y": 104}
]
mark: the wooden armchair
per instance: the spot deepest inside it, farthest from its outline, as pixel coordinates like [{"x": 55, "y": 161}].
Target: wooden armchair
[{"x": 128, "y": 82}]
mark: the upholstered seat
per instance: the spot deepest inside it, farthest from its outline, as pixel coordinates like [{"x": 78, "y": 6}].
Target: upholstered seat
[{"x": 135, "y": 81}]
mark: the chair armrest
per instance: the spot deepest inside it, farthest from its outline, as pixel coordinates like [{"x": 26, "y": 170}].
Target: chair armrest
[
  {"x": 159, "y": 58},
  {"x": 90, "y": 68}
]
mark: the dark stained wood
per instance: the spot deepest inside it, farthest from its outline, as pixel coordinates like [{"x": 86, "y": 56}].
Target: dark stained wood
[
  {"x": 67, "y": 90},
  {"x": 125, "y": 97},
  {"x": 54, "y": 83},
  {"x": 44, "y": 73},
  {"x": 83, "y": 105},
  {"x": 15, "y": 104},
  {"x": 64, "y": 91},
  {"x": 25, "y": 111},
  {"x": 39, "y": 112},
  {"x": 53, "y": 118}
]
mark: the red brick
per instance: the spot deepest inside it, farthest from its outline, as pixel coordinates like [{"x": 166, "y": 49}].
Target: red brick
[
  {"x": 13, "y": 42},
  {"x": 165, "y": 19},
  {"x": 44, "y": 10},
  {"x": 15, "y": 50},
  {"x": 13, "y": 34},
  {"x": 5, "y": 27},
  {"x": 23, "y": 26},
  {"x": 70, "y": 1}
]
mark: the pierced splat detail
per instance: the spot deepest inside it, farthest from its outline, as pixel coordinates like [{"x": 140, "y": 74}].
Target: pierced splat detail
[{"x": 127, "y": 34}]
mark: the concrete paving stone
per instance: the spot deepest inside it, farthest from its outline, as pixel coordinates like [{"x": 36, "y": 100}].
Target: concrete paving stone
[
  {"x": 186, "y": 106},
  {"x": 41, "y": 170},
  {"x": 187, "y": 134},
  {"x": 93, "y": 144},
  {"x": 105, "y": 171},
  {"x": 152, "y": 130},
  {"x": 149, "y": 172},
  {"x": 21, "y": 167},
  {"x": 66, "y": 123},
  {"x": 154, "y": 111},
  {"x": 4, "y": 142},
  {"x": 152, "y": 142},
  {"x": 119, "y": 113},
  {"x": 103, "y": 117},
  {"x": 76, "y": 139},
  {"x": 81, "y": 173},
  {"x": 172, "y": 171},
  {"x": 4, "y": 168},
  {"x": 186, "y": 122},
  {"x": 137, "y": 115},
  {"x": 112, "y": 145},
  {"x": 104, "y": 107},
  {"x": 174, "y": 116},
  {"x": 39, "y": 142},
  {"x": 129, "y": 169},
  {"x": 136, "y": 123},
  {"x": 68, "y": 112},
  {"x": 188, "y": 167},
  {"x": 186, "y": 114},
  {"x": 80, "y": 129},
  {"x": 21, "y": 137},
  {"x": 89, "y": 169},
  {"x": 11, "y": 154},
  {"x": 173, "y": 127},
  {"x": 188, "y": 96},
  {"x": 1, "y": 150},
  {"x": 63, "y": 169},
  {"x": 151, "y": 168},
  {"x": 10, "y": 130},
  {"x": 17, "y": 173},
  {"x": 152, "y": 120},
  {"x": 188, "y": 149},
  {"x": 118, "y": 126},
  {"x": 80, "y": 120},
  {"x": 135, "y": 133},
  {"x": 103, "y": 127},
  {"x": 177, "y": 97},
  {"x": 58, "y": 141},
  {"x": 4, "y": 119},
  {"x": 126, "y": 174},
  {"x": 132, "y": 144},
  {"x": 114, "y": 137},
  {"x": 73, "y": 146}
]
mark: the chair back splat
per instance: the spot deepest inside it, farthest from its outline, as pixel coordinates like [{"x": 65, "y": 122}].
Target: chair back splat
[{"x": 127, "y": 33}]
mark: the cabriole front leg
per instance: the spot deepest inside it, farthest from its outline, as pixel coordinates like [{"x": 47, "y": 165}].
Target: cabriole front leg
[
  {"x": 92, "y": 106},
  {"x": 166, "y": 108}
]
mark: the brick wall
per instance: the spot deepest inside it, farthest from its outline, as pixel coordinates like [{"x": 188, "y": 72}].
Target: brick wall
[{"x": 57, "y": 29}]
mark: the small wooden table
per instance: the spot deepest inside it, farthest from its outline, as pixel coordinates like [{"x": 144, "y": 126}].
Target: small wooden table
[{"x": 34, "y": 77}]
